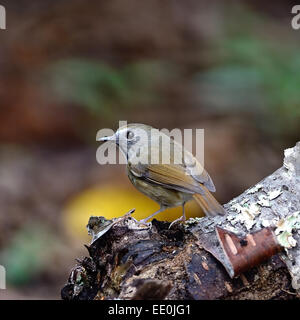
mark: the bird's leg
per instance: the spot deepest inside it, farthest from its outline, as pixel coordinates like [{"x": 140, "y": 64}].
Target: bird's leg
[
  {"x": 144, "y": 221},
  {"x": 182, "y": 218}
]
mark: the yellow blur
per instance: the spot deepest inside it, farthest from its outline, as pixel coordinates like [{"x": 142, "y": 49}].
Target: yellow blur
[{"x": 113, "y": 201}]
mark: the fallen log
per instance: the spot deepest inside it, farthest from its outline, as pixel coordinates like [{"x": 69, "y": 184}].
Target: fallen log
[{"x": 252, "y": 252}]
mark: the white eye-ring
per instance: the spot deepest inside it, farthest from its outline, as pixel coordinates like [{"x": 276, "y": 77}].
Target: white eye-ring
[{"x": 129, "y": 135}]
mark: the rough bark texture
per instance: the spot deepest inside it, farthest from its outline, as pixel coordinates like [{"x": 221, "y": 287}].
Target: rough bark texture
[{"x": 180, "y": 263}]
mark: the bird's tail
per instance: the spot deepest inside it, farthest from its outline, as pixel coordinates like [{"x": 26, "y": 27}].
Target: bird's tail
[{"x": 209, "y": 204}]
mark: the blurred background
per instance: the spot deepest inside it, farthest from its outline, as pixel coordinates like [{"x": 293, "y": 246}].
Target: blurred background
[{"x": 70, "y": 68}]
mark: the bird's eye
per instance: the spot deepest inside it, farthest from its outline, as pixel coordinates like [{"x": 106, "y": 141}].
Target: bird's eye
[{"x": 129, "y": 135}]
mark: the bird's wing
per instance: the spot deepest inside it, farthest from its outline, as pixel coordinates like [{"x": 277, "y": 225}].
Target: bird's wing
[
  {"x": 170, "y": 176},
  {"x": 183, "y": 172},
  {"x": 201, "y": 176}
]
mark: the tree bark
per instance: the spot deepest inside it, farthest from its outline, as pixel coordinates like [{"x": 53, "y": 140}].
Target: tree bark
[{"x": 204, "y": 258}]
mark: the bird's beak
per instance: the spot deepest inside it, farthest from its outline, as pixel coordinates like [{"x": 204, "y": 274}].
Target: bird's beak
[{"x": 111, "y": 138}]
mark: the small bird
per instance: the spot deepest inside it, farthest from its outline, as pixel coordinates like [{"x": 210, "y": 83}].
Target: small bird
[{"x": 170, "y": 183}]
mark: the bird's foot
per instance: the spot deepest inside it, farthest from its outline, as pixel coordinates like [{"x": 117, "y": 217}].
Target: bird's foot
[
  {"x": 181, "y": 219},
  {"x": 143, "y": 223}
]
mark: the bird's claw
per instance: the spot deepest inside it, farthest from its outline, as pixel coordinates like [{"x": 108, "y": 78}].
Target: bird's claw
[
  {"x": 143, "y": 223},
  {"x": 181, "y": 219}
]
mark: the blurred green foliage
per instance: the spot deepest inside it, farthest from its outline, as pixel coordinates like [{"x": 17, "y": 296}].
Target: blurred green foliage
[
  {"x": 255, "y": 74},
  {"x": 100, "y": 88},
  {"x": 27, "y": 254},
  {"x": 250, "y": 71}
]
